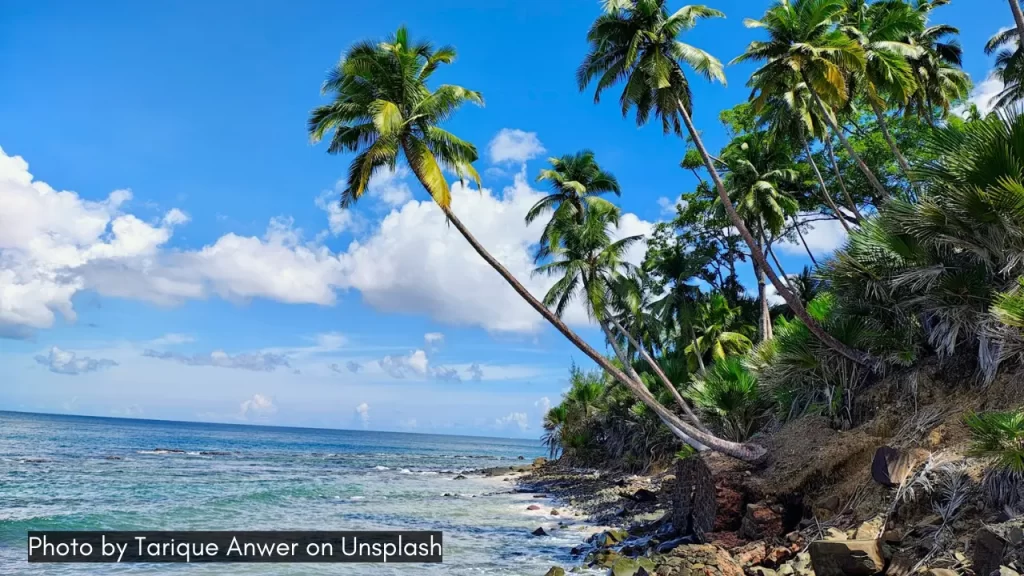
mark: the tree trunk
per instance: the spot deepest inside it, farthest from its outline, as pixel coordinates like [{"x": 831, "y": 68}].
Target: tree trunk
[
  {"x": 842, "y": 182},
  {"x": 789, "y": 281},
  {"x": 1018, "y": 18},
  {"x": 745, "y": 452},
  {"x": 884, "y": 126},
  {"x": 796, "y": 224},
  {"x": 846, "y": 143},
  {"x": 755, "y": 252},
  {"x": 697, "y": 352},
  {"x": 661, "y": 375},
  {"x": 765, "y": 323},
  {"x": 824, "y": 189},
  {"x": 636, "y": 377}
]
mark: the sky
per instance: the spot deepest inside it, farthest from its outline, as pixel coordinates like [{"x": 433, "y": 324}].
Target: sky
[{"x": 171, "y": 245}]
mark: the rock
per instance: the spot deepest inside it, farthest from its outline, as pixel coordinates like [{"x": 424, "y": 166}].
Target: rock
[
  {"x": 538, "y": 462},
  {"x": 554, "y": 512},
  {"x": 786, "y": 570},
  {"x": 777, "y": 555},
  {"x": 540, "y": 495},
  {"x": 577, "y": 550},
  {"x": 669, "y": 545},
  {"x": 644, "y": 495},
  {"x": 114, "y": 458},
  {"x": 762, "y": 571},
  {"x": 760, "y": 523},
  {"x": 846, "y": 558},
  {"x": 891, "y": 467},
  {"x": 632, "y": 567},
  {"x": 730, "y": 508},
  {"x": 697, "y": 560},
  {"x": 894, "y": 536},
  {"x": 539, "y": 532},
  {"x": 941, "y": 572},
  {"x": 871, "y": 529},
  {"x": 459, "y": 477},
  {"x": 555, "y": 571},
  {"x": 750, "y": 554},
  {"x": 997, "y": 545},
  {"x": 533, "y": 507},
  {"x": 832, "y": 533},
  {"x": 727, "y": 540},
  {"x": 604, "y": 558},
  {"x": 522, "y": 458},
  {"x": 1006, "y": 571},
  {"x": 614, "y": 536}
]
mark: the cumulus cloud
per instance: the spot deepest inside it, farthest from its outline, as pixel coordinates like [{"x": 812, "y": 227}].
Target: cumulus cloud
[
  {"x": 445, "y": 374},
  {"x": 984, "y": 94},
  {"x": 411, "y": 261},
  {"x": 258, "y": 405},
  {"x": 257, "y": 362},
  {"x": 543, "y": 405},
  {"x": 476, "y": 373},
  {"x": 823, "y": 237},
  {"x": 389, "y": 186},
  {"x": 413, "y": 364},
  {"x": 668, "y": 207},
  {"x": 512, "y": 145},
  {"x": 67, "y": 362},
  {"x": 353, "y": 367},
  {"x": 172, "y": 339},
  {"x": 362, "y": 414},
  {"x": 513, "y": 419},
  {"x": 339, "y": 220}
]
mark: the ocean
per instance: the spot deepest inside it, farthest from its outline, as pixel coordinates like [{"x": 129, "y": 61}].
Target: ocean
[{"x": 85, "y": 473}]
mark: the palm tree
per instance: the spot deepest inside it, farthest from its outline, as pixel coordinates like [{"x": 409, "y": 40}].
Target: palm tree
[
  {"x": 881, "y": 29},
  {"x": 1009, "y": 67},
  {"x": 1018, "y": 17},
  {"x": 577, "y": 182},
  {"x": 554, "y": 421},
  {"x": 755, "y": 182},
  {"x": 677, "y": 309},
  {"x": 722, "y": 333},
  {"x": 803, "y": 38},
  {"x": 382, "y": 110},
  {"x": 731, "y": 395},
  {"x": 791, "y": 117},
  {"x": 940, "y": 81},
  {"x": 636, "y": 41}
]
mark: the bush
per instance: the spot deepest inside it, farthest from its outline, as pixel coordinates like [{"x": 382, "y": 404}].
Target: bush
[
  {"x": 731, "y": 400},
  {"x": 1000, "y": 436}
]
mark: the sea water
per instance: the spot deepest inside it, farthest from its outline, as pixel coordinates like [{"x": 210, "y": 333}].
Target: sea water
[{"x": 84, "y": 473}]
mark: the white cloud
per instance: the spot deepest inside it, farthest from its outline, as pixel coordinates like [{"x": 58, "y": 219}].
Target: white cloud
[
  {"x": 255, "y": 361},
  {"x": 984, "y": 94},
  {"x": 543, "y": 405},
  {"x": 338, "y": 219},
  {"x": 172, "y": 339},
  {"x": 363, "y": 414},
  {"x": 476, "y": 373},
  {"x": 258, "y": 405},
  {"x": 823, "y": 237},
  {"x": 412, "y": 261},
  {"x": 389, "y": 186},
  {"x": 329, "y": 341},
  {"x": 433, "y": 339},
  {"x": 668, "y": 207},
  {"x": 514, "y": 418},
  {"x": 67, "y": 362},
  {"x": 413, "y": 364},
  {"x": 512, "y": 145}
]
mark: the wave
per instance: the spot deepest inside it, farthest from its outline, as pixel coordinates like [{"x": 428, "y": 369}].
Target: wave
[{"x": 381, "y": 468}]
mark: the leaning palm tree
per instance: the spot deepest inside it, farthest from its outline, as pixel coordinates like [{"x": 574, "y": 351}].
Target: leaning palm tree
[
  {"x": 881, "y": 29},
  {"x": 803, "y": 38},
  {"x": 636, "y": 41},
  {"x": 554, "y": 420},
  {"x": 383, "y": 110}
]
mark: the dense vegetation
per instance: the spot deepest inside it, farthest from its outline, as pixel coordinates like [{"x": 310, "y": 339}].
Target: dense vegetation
[{"x": 857, "y": 115}]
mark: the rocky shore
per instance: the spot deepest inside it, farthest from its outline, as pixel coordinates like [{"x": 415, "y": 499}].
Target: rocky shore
[{"x": 896, "y": 496}]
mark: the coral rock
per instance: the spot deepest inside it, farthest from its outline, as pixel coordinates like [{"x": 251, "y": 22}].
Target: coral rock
[{"x": 697, "y": 560}]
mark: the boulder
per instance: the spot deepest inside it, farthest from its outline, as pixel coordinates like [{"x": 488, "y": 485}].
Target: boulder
[
  {"x": 644, "y": 495},
  {"x": 778, "y": 554},
  {"x": 539, "y": 532},
  {"x": 697, "y": 559},
  {"x": 997, "y": 545},
  {"x": 632, "y": 567},
  {"x": 613, "y": 537},
  {"x": 847, "y": 558},
  {"x": 533, "y": 507},
  {"x": 891, "y": 467},
  {"x": 871, "y": 529},
  {"x": 555, "y": 571},
  {"x": 669, "y": 545},
  {"x": 750, "y": 554},
  {"x": 761, "y": 523},
  {"x": 538, "y": 462},
  {"x": 554, "y": 512},
  {"x": 459, "y": 477}
]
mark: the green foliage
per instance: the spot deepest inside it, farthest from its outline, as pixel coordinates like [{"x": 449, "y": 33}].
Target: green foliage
[
  {"x": 729, "y": 395},
  {"x": 1000, "y": 436}
]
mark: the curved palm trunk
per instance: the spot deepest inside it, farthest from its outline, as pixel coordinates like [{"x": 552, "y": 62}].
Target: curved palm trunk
[
  {"x": 824, "y": 191},
  {"x": 636, "y": 377},
  {"x": 746, "y": 452},
  {"x": 755, "y": 252},
  {"x": 661, "y": 376},
  {"x": 842, "y": 183},
  {"x": 765, "y": 327},
  {"x": 1018, "y": 16},
  {"x": 884, "y": 126},
  {"x": 789, "y": 281},
  {"x": 796, "y": 225},
  {"x": 846, "y": 143}
]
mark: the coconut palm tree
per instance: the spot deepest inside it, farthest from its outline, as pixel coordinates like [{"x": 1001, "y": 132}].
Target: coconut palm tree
[
  {"x": 1009, "y": 67},
  {"x": 1018, "y": 17},
  {"x": 577, "y": 182},
  {"x": 755, "y": 182},
  {"x": 881, "y": 29},
  {"x": 636, "y": 41},
  {"x": 722, "y": 332},
  {"x": 383, "y": 110},
  {"x": 803, "y": 37},
  {"x": 554, "y": 421},
  {"x": 940, "y": 81}
]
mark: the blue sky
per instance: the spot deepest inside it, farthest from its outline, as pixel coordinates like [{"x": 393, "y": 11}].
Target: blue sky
[{"x": 169, "y": 244}]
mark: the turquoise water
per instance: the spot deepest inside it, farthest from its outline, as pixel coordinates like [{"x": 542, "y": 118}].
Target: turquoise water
[{"x": 82, "y": 473}]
